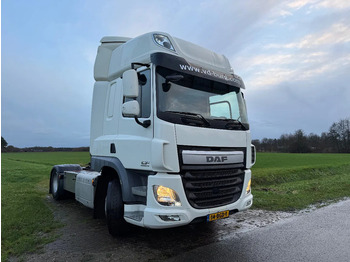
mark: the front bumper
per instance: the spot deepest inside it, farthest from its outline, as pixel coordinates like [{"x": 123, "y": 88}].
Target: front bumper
[{"x": 154, "y": 215}]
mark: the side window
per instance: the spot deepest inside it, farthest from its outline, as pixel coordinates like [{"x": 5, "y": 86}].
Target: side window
[{"x": 144, "y": 97}]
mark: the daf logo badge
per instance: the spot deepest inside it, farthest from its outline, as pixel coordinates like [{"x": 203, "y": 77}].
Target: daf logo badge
[
  {"x": 145, "y": 163},
  {"x": 216, "y": 159}
]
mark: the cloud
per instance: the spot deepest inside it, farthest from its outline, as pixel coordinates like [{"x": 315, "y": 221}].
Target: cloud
[
  {"x": 335, "y": 34},
  {"x": 299, "y": 4},
  {"x": 40, "y": 104},
  {"x": 308, "y": 105},
  {"x": 300, "y": 67},
  {"x": 297, "y": 73},
  {"x": 293, "y": 56},
  {"x": 328, "y": 4},
  {"x": 334, "y": 4},
  {"x": 323, "y": 52}
]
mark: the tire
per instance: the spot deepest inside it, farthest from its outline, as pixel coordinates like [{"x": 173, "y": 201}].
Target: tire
[
  {"x": 100, "y": 197},
  {"x": 56, "y": 185},
  {"x": 57, "y": 181},
  {"x": 114, "y": 208}
]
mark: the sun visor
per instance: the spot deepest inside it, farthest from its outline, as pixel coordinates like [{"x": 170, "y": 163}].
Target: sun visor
[{"x": 181, "y": 65}]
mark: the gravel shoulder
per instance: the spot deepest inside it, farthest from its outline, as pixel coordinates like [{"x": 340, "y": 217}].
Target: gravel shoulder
[{"x": 83, "y": 238}]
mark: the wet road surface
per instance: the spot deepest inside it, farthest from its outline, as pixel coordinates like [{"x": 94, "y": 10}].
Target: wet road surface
[
  {"x": 86, "y": 239},
  {"x": 321, "y": 235}
]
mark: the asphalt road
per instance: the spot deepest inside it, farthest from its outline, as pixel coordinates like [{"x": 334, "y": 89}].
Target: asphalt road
[{"x": 320, "y": 235}]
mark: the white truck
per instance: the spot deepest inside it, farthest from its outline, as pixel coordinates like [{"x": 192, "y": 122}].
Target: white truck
[{"x": 170, "y": 141}]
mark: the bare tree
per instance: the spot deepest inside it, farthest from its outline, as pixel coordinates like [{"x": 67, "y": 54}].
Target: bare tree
[
  {"x": 300, "y": 143},
  {"x": 339, "y": 134}
]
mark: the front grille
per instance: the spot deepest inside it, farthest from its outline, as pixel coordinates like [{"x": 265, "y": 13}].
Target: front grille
[{"x": 212, "y": 188}]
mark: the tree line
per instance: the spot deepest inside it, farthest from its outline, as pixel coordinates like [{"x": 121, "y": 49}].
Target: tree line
[
  {"x": 5, "y": 148},
  {"x": 336, "y": 140}
]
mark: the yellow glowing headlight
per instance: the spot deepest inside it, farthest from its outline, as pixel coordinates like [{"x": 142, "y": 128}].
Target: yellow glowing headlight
[
  {"x": 166, "y": 196},
  {"x": 249, "y": 186}
]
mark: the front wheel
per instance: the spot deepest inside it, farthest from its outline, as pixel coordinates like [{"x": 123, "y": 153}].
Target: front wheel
[{"x": 114, "y": 208}]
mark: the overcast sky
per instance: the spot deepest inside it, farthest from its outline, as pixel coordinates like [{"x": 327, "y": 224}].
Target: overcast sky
[{"x": 294, "y": 57}]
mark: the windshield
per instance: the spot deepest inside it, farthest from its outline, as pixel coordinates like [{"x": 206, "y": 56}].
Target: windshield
[{"x": 191, "y": 100}]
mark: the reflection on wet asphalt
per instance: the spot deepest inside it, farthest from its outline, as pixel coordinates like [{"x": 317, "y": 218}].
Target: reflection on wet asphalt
[{"x": 85, "y": 238}]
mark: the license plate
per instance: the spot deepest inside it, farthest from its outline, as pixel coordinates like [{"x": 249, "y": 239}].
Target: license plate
[{"x": 218, "y": 215}]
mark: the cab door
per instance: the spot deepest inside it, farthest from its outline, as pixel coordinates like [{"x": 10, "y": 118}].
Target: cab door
[{"x": 134, "y": 140}]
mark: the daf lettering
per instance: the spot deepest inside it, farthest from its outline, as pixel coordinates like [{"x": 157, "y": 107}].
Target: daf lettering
[{"x": 216, "y": 159}]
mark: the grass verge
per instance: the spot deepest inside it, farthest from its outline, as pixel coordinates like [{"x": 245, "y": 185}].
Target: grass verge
[
  {"x": 280, "y": 182},
  {"x": 289, "y": 182},
  {"x": 27, "y": 223}
]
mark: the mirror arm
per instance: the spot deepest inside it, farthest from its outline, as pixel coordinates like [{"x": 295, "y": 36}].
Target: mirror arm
[{"x": 145, "y": 123}]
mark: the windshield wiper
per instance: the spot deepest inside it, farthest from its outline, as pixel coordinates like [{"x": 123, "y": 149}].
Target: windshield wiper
[
  {"x": 191, "y": 118},
  {"x": 232, "y": 123}
]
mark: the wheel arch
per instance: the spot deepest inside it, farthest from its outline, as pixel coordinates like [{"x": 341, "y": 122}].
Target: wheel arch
[
  {"x": 127, "y": 178},
  {"x": 112, "y": 168},
  {"x": 107, "y": 174}
]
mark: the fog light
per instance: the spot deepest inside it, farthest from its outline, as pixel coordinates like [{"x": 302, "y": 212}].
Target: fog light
[
  {"x": 166, "y": 196},
  {"x": 248, "y": 203},
  {"x": 249, "y": 186},
  {"x": 170, "y": 217}
]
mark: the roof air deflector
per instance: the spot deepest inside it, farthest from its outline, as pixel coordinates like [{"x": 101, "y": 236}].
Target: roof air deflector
[{"x": 114, "y": 39}]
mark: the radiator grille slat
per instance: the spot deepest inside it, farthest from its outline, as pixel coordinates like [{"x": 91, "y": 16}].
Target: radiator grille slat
[
  {"x": 210, "y": 183},
  {"x": 208, "y": 188}
]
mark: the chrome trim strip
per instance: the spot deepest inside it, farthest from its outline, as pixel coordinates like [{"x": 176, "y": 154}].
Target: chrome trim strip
[{"x": 190, "y": 157}]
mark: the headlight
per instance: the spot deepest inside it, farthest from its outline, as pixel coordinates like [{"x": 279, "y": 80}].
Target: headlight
[
  {"x": 163, "y": 41},
  {"x": 166, "y": 196}
]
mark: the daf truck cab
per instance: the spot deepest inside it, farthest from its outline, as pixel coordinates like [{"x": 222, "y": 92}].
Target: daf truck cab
[{"x": 170, "y": 139}]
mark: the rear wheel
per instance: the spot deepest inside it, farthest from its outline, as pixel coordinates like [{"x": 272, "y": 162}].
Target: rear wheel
[
  {"x": 57, "y": 189},
  {"x": 114, "y": 208}
]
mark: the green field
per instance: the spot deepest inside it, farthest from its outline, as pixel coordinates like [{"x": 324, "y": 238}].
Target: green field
[
  {"x": 27, "y": 221},
  {"x": 290, "y": 182},
  {"x": 280, "y": 182}
]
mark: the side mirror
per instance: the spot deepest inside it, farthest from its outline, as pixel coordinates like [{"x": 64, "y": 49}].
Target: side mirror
[
  {"x": 131, "y": 108},
  {"x": 130, "y": 84}
]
